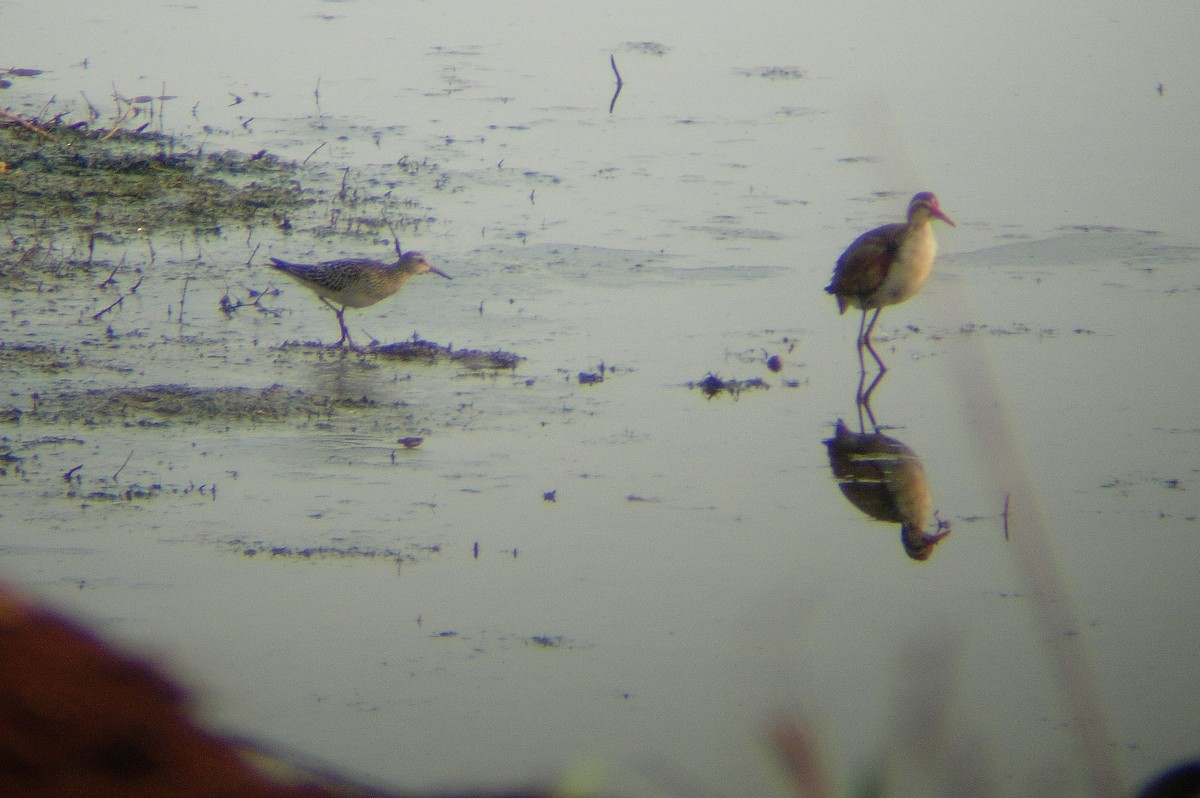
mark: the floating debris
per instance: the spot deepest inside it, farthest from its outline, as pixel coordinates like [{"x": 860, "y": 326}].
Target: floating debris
[
  {"x": 129, "y": 494},
  {"x": 713, "y": 385},
  {"x": 431, "y": 353},
  {"x": 324, "y": 552},
  {"x": 18, "y": 358},
  {"x": 158, "y": 405},
  {"x": 546, "y": 641},
  {"x": 647, "y": 48},
  {"x": 593, "y": 377},
  {"x": 146, "y": 182},
  {"x": 774, "y": 72}
]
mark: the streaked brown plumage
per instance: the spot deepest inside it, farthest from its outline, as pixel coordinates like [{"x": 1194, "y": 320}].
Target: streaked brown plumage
[
  {"x": 887, "y": 265},
  {"x": 356, "y": 282}
]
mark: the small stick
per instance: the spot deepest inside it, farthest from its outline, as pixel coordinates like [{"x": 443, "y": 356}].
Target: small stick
[
  {"x": 612, "y": 59},
  {"x": 122, "y": 468},
  {"x": 314, "y": 152},
  {"x": 395, "y": 240},
  {"x": 162, "y": 101},
  {"x": 1004, "y": 515},
  {"x": 45, "y": 108},
  {"x": 129, "y": 109},
  {"x": 70, "y": 473},
  {"x": 93, "y": 111},
  {"x": 182, "y": 296},
  {"x": 97, "y": 316},
  {"x": 228, "y": 306},
  {"x": 24, "y": 123},
  {"x": 132, "y": 290}
]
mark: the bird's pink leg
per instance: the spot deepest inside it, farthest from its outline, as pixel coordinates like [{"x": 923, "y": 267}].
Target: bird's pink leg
[{"x": 865, "y": 340}]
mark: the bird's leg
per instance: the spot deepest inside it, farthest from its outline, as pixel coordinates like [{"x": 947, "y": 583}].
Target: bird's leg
[
  {"x": 858, "y": 402},
  {"x": 864, "y": 401},
  {"x": 341, "y": 322},
  {"x": 862, "y": 366},
  {"x": 866, "y": 340}
]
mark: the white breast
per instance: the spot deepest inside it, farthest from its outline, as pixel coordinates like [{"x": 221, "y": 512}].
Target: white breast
[{"x": 911, "y": 266}]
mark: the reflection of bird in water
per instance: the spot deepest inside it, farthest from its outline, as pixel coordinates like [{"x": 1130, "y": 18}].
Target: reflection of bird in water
[
  {"x": 356, "y": 282},
  {"x": 887, "y": 265},
  {"x": 884, "y": 478}
]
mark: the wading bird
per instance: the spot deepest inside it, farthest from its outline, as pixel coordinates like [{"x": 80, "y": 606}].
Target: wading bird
[
  {"x": 356, "y": 282},
  {"x": 887, "y": 265}
]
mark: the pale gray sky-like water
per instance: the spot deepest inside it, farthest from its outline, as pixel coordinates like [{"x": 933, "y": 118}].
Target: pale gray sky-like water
[{"x": 699, "y": 564}]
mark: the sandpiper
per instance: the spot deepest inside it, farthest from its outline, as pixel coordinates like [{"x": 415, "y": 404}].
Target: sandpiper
[
  {"x": 356, "y": 282},
  {"x": 887, "y": 265}
]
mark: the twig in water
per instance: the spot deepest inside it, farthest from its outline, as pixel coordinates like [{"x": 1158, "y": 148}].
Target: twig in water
[
  {"x": 612, "y": 59},
  {"x": 395, "y": 240},
  {"x": 162, "y": 102},
  {"x": 108, "y": 280},
  {"x": 228, "y": 306},
  {"x": 93, "y": 111},
  {"x": 24, "y": 123},
  {"x": 1004, "y": 515},
  {"x": 121, "y": 299},
  {"x": 182, "y": 296},
  {"x": 122, "y": 468},
  {"x": 314, "y": 152},
  {"x": 129, "y": 111},
  {"x": 71, "y": 473}
]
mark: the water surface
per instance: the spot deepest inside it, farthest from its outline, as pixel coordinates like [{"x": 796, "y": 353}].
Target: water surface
[{"x": 698, "y": 571}]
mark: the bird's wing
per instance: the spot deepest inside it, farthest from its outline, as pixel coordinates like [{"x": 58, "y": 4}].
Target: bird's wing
[
  {"x": 301, "y": 271},
  {"x": 352, "y": 263},
  {"x": 863, "y": 266}
]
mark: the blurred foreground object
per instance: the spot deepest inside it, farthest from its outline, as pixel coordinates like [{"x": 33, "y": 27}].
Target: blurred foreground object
[{"x": 80, "y": 719}]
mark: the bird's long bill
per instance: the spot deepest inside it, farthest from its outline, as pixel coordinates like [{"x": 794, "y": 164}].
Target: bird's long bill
[
  {"x": 938, "y": 213},
  {"x": 441, "y": 273}
]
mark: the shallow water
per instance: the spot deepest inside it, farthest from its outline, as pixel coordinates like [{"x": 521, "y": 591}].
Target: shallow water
[{"x": 698, "y": 571}]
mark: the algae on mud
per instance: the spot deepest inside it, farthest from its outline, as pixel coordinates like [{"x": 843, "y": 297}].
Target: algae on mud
[
  {"x": 70, "y": 180},
  {"x": 66, "y": 188},
  {"x": 70, "y": 190},
  {"x": 156, "y": 405}
]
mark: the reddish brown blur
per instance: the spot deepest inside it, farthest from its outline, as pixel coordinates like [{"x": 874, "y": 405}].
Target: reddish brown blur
[{"x": 78, "y": 718}]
